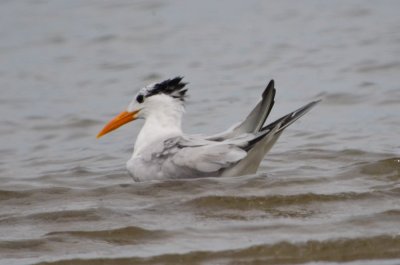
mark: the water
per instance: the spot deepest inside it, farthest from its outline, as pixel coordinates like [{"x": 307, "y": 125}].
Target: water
[{"x": 327, "y": 193}]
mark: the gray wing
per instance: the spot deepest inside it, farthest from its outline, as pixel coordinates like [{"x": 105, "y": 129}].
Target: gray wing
[
  {"x": 290, "y": 118},
  {"x": 189, "y": 157},
  {"x": 209, "y": 158},
  {"x": 183, "y": 157},
  {"x": 255, "y": 120},
  {"x": 195, "y": 157}
]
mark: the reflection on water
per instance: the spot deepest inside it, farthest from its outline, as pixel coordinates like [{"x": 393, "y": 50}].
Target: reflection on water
[{"x": 328, "y": 192}]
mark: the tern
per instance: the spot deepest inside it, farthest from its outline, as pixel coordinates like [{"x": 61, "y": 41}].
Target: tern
[{"x": 163, "y": 151}]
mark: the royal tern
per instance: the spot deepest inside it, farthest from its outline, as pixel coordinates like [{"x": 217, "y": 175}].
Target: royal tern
[{"x": 163, "y": 151}]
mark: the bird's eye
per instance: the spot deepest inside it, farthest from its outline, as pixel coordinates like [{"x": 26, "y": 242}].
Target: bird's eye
[{"x": 140, "y": 98}]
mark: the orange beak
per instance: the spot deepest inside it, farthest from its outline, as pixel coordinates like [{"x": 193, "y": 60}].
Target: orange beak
[{"x": 119, "y": 120}]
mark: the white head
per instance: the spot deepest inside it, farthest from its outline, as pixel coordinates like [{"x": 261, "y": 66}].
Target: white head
[{"x": 164, "y": 99}]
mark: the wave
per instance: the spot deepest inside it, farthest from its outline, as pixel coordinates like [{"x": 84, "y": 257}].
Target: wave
[
  {"x": 336, "y": 250},
  {"x": 265, "y": 202},
  {"x": 85, "y": 215},
  {"x": 389, "y": 167},
  {"x": 120, "y": 236}
]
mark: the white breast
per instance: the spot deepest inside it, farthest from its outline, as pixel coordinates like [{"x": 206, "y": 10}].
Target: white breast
[{"x": 142, "y": 169}]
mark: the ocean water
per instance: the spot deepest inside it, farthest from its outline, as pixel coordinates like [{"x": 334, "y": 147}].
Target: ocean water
[{"x": 327, "y": 193}]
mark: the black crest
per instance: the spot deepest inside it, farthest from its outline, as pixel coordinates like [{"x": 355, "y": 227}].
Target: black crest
[{"x": 173, "y": 87}]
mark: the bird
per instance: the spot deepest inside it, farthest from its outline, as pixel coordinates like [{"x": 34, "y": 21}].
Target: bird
[{"x": 163, "y": 151}]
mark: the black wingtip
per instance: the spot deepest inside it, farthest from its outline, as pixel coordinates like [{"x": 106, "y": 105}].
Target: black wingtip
[
  {"x": 177, "y": 79},
  {"x": 271, "y": 85},
  {"x": 288, "y": 119},
  {"x": 313, "y": 103}
]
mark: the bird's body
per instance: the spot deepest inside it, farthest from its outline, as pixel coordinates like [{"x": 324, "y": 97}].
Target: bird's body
[{"x": 163, "y": 151}]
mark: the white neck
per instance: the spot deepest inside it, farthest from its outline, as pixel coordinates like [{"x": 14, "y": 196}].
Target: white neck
[{"x": 161, "y": 123}]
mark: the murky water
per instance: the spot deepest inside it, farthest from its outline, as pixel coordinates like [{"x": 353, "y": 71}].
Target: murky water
[{"x": 328, "y": 193}]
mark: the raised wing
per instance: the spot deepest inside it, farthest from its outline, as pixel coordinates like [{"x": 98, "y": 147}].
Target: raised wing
[
  {"x": 288, "y": 119},
  {"x": 255, "y": 120}
]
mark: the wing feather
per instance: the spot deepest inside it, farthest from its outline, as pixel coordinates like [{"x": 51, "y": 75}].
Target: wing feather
[
  {"x": 256, "y": 118},
  {"x": 208, "y": 158}
]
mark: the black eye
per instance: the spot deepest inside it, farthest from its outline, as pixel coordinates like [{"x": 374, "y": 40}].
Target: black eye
[{"x": 140, "y": 98}]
